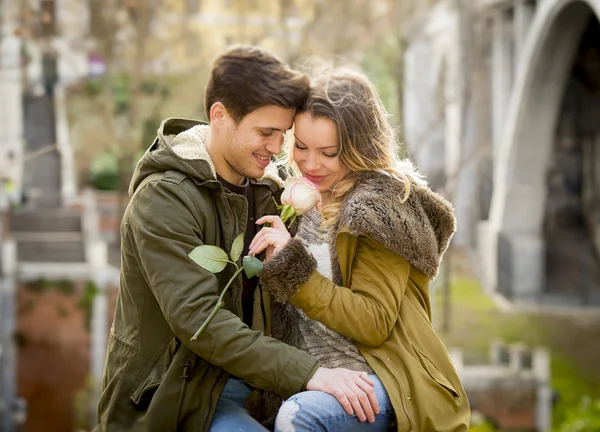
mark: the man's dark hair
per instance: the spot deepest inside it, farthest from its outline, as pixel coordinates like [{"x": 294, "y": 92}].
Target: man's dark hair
[{"x": 246, "y": 78}]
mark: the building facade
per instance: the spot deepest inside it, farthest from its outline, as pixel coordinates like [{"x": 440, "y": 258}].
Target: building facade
[{"x": 502, "y": 105}]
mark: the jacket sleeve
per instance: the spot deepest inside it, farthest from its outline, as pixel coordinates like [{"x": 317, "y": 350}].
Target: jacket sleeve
[
  {"x": 365, "y": 312},
  {"x": 162, "y": 231}
]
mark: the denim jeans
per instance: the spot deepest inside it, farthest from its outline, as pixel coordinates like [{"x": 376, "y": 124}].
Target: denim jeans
[
  {"x": 230, "y": 415},
  {"x": 317, "y": 411}
]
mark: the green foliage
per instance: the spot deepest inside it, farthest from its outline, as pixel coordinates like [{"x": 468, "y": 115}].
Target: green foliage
[
  {"x": 41, "y": 285},
  {"x": 65, "y": 286},
  {"x": 476, "y": 320},
  {"x": 582, "y": 417},
  {"x": 82, "y": 401},
  {"x": 104, "y": 172},
  {"x": 86, "y": 302},
  {"x": 214, "y": 259},
  {"x": 26, "y": 308},
  {"x": 38, "y": 286},
  {"x": 483, "y": 427},
  {"x": 479, "y": 423},
  {"x": 382, "y": 62},
  {"x": 93, "y": 87}
]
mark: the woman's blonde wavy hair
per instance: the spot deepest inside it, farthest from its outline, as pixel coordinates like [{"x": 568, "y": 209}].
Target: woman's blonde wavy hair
[{"x": 366, "y": 139}]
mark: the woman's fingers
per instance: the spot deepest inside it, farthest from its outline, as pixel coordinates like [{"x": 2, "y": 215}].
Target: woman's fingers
[
  {"x": 271, "y": 236},
  {"x": 275, "y": 222}
]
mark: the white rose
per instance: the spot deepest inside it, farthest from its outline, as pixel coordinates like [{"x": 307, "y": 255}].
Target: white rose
[{"x": 301, "y": 194}]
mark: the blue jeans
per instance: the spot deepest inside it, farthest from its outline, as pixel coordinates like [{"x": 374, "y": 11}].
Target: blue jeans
[
  {"x": 230, "y": 414},
  {"x": 316, "y": 411}
]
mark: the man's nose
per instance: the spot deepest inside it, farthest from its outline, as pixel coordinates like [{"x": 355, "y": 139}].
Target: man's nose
[{"x": 275, "y": 144}]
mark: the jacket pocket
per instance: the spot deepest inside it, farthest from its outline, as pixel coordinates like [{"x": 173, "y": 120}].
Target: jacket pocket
[
  {"x": 142, "y": 394},
  {"x": 435, "y": 373}
]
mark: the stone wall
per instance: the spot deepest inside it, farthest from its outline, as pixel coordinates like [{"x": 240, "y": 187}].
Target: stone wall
[{"x": 53, "y": 353}]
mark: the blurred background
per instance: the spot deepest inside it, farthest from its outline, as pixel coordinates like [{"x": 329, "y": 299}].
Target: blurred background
[{"x": 497, "y": 101}]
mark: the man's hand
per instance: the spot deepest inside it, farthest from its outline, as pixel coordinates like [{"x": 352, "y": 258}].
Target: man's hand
[{"x": 354, "y": 390}]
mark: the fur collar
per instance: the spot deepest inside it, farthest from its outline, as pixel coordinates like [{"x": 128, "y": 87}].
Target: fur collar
[{"x": 419, "y": 230}]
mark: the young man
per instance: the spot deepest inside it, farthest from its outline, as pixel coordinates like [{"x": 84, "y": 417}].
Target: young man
[{"x": 204, "y": 184}]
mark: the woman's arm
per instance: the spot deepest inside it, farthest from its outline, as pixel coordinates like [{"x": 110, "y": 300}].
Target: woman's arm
[{"x": 366, "y": 311}]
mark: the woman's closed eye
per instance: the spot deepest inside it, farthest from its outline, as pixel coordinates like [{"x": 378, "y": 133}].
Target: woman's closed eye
[{"x": 326, "y": 154}]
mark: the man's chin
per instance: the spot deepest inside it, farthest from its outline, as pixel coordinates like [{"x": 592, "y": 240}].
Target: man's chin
[{"x": 257, "y": 173}]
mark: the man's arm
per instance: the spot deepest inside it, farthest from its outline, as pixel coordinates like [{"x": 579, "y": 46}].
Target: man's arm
[{"x": 163, "y": 231}]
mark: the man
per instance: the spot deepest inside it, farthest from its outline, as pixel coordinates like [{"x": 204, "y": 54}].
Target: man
[{"x": 197, "y": 184}]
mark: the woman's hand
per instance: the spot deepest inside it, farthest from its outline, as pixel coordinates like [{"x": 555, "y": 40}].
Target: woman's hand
[{"x": 270, "y": 239}]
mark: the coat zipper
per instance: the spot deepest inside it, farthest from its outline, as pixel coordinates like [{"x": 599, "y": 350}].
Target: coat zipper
[
  {"x": 187, "y": 364},
  {"x": 411, "y": 422}
]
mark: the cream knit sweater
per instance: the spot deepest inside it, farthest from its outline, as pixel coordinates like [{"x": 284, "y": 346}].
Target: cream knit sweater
[{"x": 330, "y": 348}]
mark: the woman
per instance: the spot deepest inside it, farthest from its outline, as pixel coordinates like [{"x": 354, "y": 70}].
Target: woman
[{"x": 356, "y": 276}]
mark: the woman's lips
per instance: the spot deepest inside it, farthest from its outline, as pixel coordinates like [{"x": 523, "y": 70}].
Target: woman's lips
[{"x": 314, "y": 179}]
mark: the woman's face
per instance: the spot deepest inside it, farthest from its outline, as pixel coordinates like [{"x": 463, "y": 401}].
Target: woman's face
[{"x": 316, "y": 151}]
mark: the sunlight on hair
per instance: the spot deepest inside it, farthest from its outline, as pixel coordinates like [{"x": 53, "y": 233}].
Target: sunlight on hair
[{"x": 367, "y": 140}]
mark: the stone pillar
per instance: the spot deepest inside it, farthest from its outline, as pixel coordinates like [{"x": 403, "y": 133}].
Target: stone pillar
[
  {"x": 521, "y": 265},
  {"x": 9, "y": 416},
  {"x": 496, "y": 347},
  {"x": 11, "y": 112},
  {"x": 68, "y": 189},
  {"x": 502, "y": 72},
  {"x": 524, "y": 11},
  {"x": 541, "y": 371},
  {"x": 458, "y": 360},
  {"x": 517, "y": 357}
]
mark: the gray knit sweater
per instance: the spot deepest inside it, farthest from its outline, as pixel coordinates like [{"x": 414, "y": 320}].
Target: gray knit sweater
[{"x": 330, "y": 348}]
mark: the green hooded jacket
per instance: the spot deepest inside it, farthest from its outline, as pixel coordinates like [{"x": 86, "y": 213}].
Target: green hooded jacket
[{"x": 155, "y": 379}]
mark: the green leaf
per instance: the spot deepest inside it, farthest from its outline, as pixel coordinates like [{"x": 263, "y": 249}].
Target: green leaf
[
  {"x": 211, "y": 258},
  {"x": 252, "y": 266},
  {"x": 237, "y": 247}
]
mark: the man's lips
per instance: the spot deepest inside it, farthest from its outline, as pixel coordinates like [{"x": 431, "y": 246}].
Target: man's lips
[{"x": 262, "y": 159}]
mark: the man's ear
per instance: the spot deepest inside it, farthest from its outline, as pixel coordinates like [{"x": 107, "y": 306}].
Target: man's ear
[{"x": 218, "y": 114}]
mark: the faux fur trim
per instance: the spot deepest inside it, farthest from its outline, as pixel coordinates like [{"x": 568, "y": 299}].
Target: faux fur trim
[
  {"x": 190, "y": 145},
  {"x": 419, "y": 230},
  {"x": 283, "y": 274}
]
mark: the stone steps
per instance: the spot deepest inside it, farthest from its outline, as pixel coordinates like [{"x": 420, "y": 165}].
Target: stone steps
[
  {"x": 52, "y": 220},
  {"x": 66, "y": 251},
  {"x": 49, "y": 236},
  {"x": 41, "y": 173}
]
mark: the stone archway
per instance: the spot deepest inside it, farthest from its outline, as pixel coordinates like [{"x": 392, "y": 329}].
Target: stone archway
[{"x": 514, "y": 244}]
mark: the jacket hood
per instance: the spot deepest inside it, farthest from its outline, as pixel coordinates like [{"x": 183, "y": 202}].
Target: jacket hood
[
  {"x": 180, "y": 145},
  {"x": 419, "y": 230}
]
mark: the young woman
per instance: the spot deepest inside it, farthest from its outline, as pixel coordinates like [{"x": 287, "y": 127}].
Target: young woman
[{"x": 356, "y": 275}]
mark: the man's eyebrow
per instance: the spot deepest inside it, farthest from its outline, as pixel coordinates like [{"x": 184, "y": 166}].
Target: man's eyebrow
[
  {"x": 271, "y": 128},
  {"x": 320, "y": 148}
]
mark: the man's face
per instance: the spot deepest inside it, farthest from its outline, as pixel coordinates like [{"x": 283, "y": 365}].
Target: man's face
[{"x": 246, "y": 148}]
